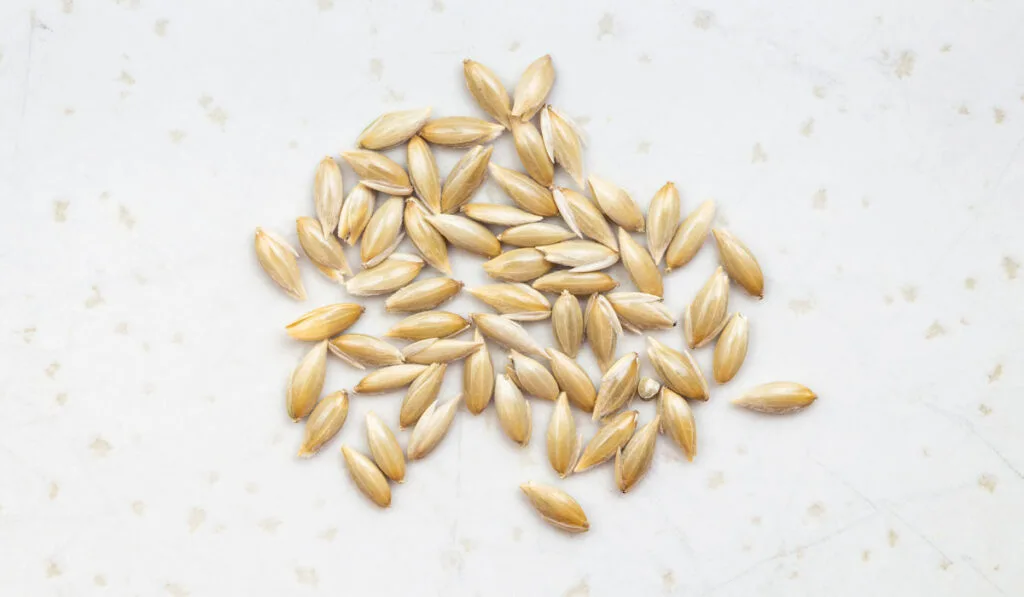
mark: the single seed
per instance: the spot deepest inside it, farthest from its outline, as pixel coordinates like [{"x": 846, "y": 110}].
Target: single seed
[
  {"x": 488, "y": 90},
  {"x": 360, "y": 350},
  {"x": 530, "y": 147},
  {"x": 689, "y": 238},
  {"x": 427, "y": 240},
  {"x": 567, "y": 323},
  {"x": 306, "y": 382},
  {"x": 508, "y": 333},
  {"x": 356, "y": 213},
  {"x": 431, "y": 428},
  {"x": 556, "y": 507},
  {"x": 460, "y": 131},
  {"x": 324, "y": 322},
  {"x": 422, "y": 393},
  {"x": 535, "y": 235},
  {"x": 465, "y": 178},
  {"x": 379, "y": 172},
  {"x": 391, "y": 274},
  {"x": 705, "y": 317},
  {"x": 277, "y": 258},
  {"x": 423, "y": 173},
  {"x": 564, "y": 443},
  {"x": 389, "y": 378},
  {"x": 634, "y": 460},
  {"x": 517, "y": 301},
  {"x": 677, "y": 370},
  {"x": 618, "y": 386},
  {"x": 533, "y": 87},
  {"x": 739, "y": 262},
  {"x": 383, "y": 233},
  {"x": 640, "y": 266},
  {"x": 438, "y": 350},
  {"x": 779, "y": 397},
  {"x": 606, "y": 442},
  {"x": 640, "y": 312},
  {"x": 428, "y": 324},
  {"x": 731, "y": 348},
  {"x": 532, "y": 377},
  {"x": 393, "y": 128},
  {"x": 583, "y": 217},
  {"x": 513, "y": 411},
  {"x": 518, "y": 265},
  {"x": 525, "y": 192},
  {"x": 662, "y": 220},
  {"x": 478, "y": 377},
  {"x": 324, "y": 422},
  {"x": 423, "y": 295},
  {"x": 573, "y": 380},
  {"x": 580, "y": 255},
  {"x": 647, "y": 388},
  {"x": 466, "y": 234},
  {"x": 323, "y": 249},
  {"x": 387, "y": 454},
  {"x": 367, "y": 477},
  {"x": 616, "y": 204},
  {"x": 563, "y": 141},
  {"x": 575, "y": 282},
  {"x": 499, "y": 215},
  {"x": 603, "y": 329},
  {"x": 677, "y": 422},
  {"x": 328, "y": 194}
]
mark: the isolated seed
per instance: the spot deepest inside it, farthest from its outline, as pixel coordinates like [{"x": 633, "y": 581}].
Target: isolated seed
[
  {"x": 563, "y": 142},
  {"x": 647, "y": 388},
  {"x": 556, "y": 507},
  {"x": 606, "y": 442},
  {"x": 640, "y": 312},
  {"x": 567, "y": 323},
  {"x": 705, "y": 317},
  {"x": 508, "y": 333},
  {"x": 379, "y": 172},
  {"x": 603, "y": 329},
  {"x": 532, "y": 377},
  {"x": 422, "y": 393},
  {"x": 465, "y": 178},
  {"x": 391, "y": 274},
  {"x": 530, "y": 147},
  {"x": 634, "y": 460},
  {"x": 616, "y": 204},
  {"x": 393, "y": 128},
  {"x": 431, "y": 428},
  {"x": 438, "y": 350},
  {"x": 572, "y": 379},
  {"x": 513, "y": 410},
  {"x": 662, "y": 220},
  {"x": 427, "y": 240},
  {"x": 533, "y": 87},
  {"x": 383, "y": 233},
  {"x": 367, "y": 477},
  {"x": 640, "y": 266},
  {"x": 360, "y": 350},
  {"x": 580, "y": 255},
  {"x": 384, "y": 448},
  {"x": 689, "y": 238},
  {"x": 328, "y": 194},
  {"x": 277, "y": 258},
  {"x": 517, "y": 301},
  {"x": 525, "y": 192},
  {"x": 776, "y": 398},
  {"x": 324, "y": 322},
  {"x": 677, "y": 370},
  {"x": 731, "y": 348},
  {"x": 423, "y": 295},
  {"x": 466, "y": 234},
  {"x": 460, "y": 131},
  {"x": 323, "y": 249},
  {"x": 306, "y": 382},
  {"x": 583, "y": 217},
  {"x": 389, "y": 378},
  {"x": 499, "y": 215},
  {"x": 488, "y": 90},
  {"x": 324, "y": 422},
  {"x": 564, "y": 443},
  {"x": 478, "y": 377},
  {"x": 518, "y": 265},
  {"x": 739, "y": 262},
  {"x": 423, "y": 173},
  {"x": 575, "y": 282},
  {"x": 535, "y": 235},
  {"x": 618, "y": 386},
  {"x": 428, "y": 324},
  {"x": 356, "y": 213},
  {"x": 677, "y": 421}
]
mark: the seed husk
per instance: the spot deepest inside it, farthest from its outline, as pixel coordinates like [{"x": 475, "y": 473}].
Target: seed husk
[
  {"x": 460, "y": 131},
  {"x": 431, "y": 428},
  {"x": 465, "y": 178},
  {"x": 488, "y": 90},
  {"x": 705, "y": 317},
  {"x": 277, "y": 258},
  {"x": 572, "y": 379},
  {"x": 532, "y": 377},
  {"x": 367, "y": 477},
  {"x": 422, "y": 295},
  {"x": 563, "y": 142},
  {"x": 391, "y": 274},
  {"x": 525, "y": 192},
  {"x": 662, "y": 220},
  {"x": 583, "y": 217},
  {"x": 533, "y": 87},
  {"x": 616, "y": 204},
  {"x": 478, "y": 377},
  {"x": 383, "y": 233},
  {"x": 516, "y": 301},
  {"x": 513, "y": 410},
  {"x": 564, "y": 443},
  {"x": 677, "y": 421},
  {"x": 556, "y": 507},
  {"x": 689, "y": 238},
  {"x": 618, "y": 385},
  {"x": 640, "y": 266},
  {"x": 647, "y": 388},
  {"x": 634, "y": 460},
  {"x": 580, "y": 255},
  {"x": 427, "y": 240},
  {"x": 640, "y": 312},
  {"x": 438, "y": 350},
  {"x": 356, "y": 213},
  {"x": 530, "y": 147},
  {"x": 428, "y": 324},
  {"x": 535, "y": 235},
  {"x": 360, "y": 350},
  {"x": 423, "y": 173},
  {"x": 387, "y": 454},
  {"x": 378, "y": 172},
  {"x": 422, "y": 393},
  {"x": 390, "y": 378},
  {"x": 393, "y": 128},
  {"x": 776, "y": 398},
  {"x": 324, "y": 422},
  {"x": 466, "y": 234},
  {"x": 739, "y": 262},
  {"x": 731, "y": 348},
  {"x": 575, "y": 282},
  {"x": 324, "y": 322},
  {"x": 508, "y": 333},
  {"x": 603, "y": 329},
  {"x": 328, "y": 194},
  {"x": 331, "y": 274},
  {"x": 306, "y": 382},
  {"x": 499, "y": 215},
  {"x": 518, "y": 265},
  {"x": 606, "y": 442},
  {"x": 567, "y": 323},
  {"x": 677, "y": 370},
  {"x": 323, "y": 249}
]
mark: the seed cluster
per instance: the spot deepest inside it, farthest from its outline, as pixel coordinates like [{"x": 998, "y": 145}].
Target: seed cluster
[{"x": 436, "y": 214}]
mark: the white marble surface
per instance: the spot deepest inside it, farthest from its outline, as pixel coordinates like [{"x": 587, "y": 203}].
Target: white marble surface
[{"x": 869, "y": 152}]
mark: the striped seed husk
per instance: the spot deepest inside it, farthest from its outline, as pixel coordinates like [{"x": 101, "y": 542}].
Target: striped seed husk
[
  {"x": 356, "y": 213},
  {"x": 611, "y": 436},
  {"x": 427, "y": 240},
  {"x": 367, "y": 477},
  {"x": 533, "y": 87},
  {"x": 572, "y": 379},
  {"x": 423, "y": 173},
  {"x": 563, "y": 142},
  {"x": 556, "y": 507},
  {"x": 689, "y": 238},
  {"x": 567, "y": 323},
  {"x": 391, "y": 274},
  {"x": 525, "y": 192},
  {"x": 431, "y": 428},
  {"x": 739, "y": 262},
  {"x": 478, "y": 377},
  {"x": 677, "y": 370},
  {"x": 323, "y": 249},
  {"x": 393, "y": 128},
  {"x": 533, "y": 156},
  {"x": 465, "y": 178},
  {"x": 580, "y": 255},
  {"x": 423, "y": 295},
  {"x": 776, "y": 398},
  {"x": 306, "y": 382},
  {"x": 583, "y": 217},
  {"x": 616, "y": 204},
  {"x": 384, "y": 448},
  {"x": 513, "y": 410},
  {"x": 328, "y": 194},
  {"x": 438, "y": 350},
  {"x": 508, "y": 333},
  {"x": 518, "y": 265},
  {"x": 647, "y": 388},
  {"x": 640, "y": 266},
  {"x": 360, "y": 350},
  {"x": 618, "y": 386},
  {"x": 428, "y": 324},
  {"x": 532, "y": 377},
  {"x": 466, "y": 234},
  {"x": 488, "y": 90},
  {"x": 575, "y": 282},
  {"x": 603, "y": 329},
  {"x": 324, "y": 322},
  {"x": 324, "y": 422},
  {"x": 731, "y": 348},
  {"x": 390, "y": 378},
  {"x": 677, "y": 421},
  {"x": 535, "y": 235},
  {"x": 277, "y": 258},
  {"x": 516, "y": 301},
  {"x": 662, "y": 220},
  {"x": 460, "y": 131},
  {"x": 564, "y": 443},
  {"x": 383, "y": 233},
  {"x": 499, "y": 215},
  {"x": 422, "y": 393},
  {"x": 634, "y": 460},
  {"x": 640, "y": 312},
  {"x": 379, "y": 172},
  {"x": 705, "y": 317}
]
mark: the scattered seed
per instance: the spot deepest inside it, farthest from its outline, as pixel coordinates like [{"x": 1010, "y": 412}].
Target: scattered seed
[
  {"x": 422, "y": 393},
  {"x": 438, "y": 350},
  {"x": 606, "y": 442},
  {"x": 563, "y": 142},
  {"x": 689, "y": 238},
  {"x": 328, "y": 194},
  {"x": 532, "y": 377},
  {"x": 634, "y": 460},
  {"x": 677, "y": 421},
  {"x": 556, "y": 507},
  {"x": 361, "y": 351},
  {"x": 499, "y": 215},
  {"x": 580, "y": 255},
  {"x": 677, "y": 370},
  {"x": 517, "y": 301},
  {"x": 618, "y": 386},
  {"x": 478, "y": 377},
  {"x": 731, "y": 348},
  {"x": 640, "y": 266},
  {"x": 277, "y": 258},
  {"x": 431, "y": 428},
  {"x": 356, "y": 213},
  {"x": 530, "y": 147},
  {"x": 324, "y": 422},
  {"x": 393, "y": 128},
  {"x": 572, "y": 379},
  {"x": 466, "y": 234},
  {"x": 460, "y": 131},
  {"x": 705, "y": 317},
  {"x": 423, "y": 173},
  {"x": 383, "y": 233},
  {"x": 640, "y": 312},
  {"x": 513, "y": 410},
  {"x": 488, "y": 90},
  {"x": 535, "y": 235},
  {"x": 508, "y": 333},
  {"x": 575, "y": 282},
  {"x": 583, "y": 217},
  {"x": 567, "y": 323},
  {"x": 518, "y": 265},
  {"x": 525, "y": 192},
  {"x": 647, "y": 388},
  {"x": 389, "y": 378},
  {"x": 387, "y": 454},
  {"x": 393, "y": 273},
  {"x": 324, "y": 322},
  {"x": 378, "y": 172},
  {"x": 367, "y": 477},
  {"x": 427, "y": 240},
  {"x": 739, "y": 262},
  {"x": 423, "y": 295},
  {"x": 603, "y": 329},
  {"x": 465, "y": 178},
  {"x": 564, "y": 443},
  {"x": 616, "y": 204},
  {"x": 777, "y": 398},
  {"x": 428, "y": 324},
  {"x": 662, "y": 220},
  {"x": 533, "y": 87},
  {"x": 323, "y": 249},
  {"x": 306, "y": 382}
]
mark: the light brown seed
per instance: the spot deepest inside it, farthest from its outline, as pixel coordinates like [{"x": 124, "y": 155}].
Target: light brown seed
[
  {"x": 647, "y": 388},
  {"x": 379, "y": 172},
  {"x": 603, "y": 329},
  {"x": 525, "y": 192},
  {"x": 306, "y": 382},
  {"x": 564, "y": 443},
  {"x": 739, "y": 262},
  {"x": 583, "y": 217},
  {"x": 328, "y": 194},
  {"x": 465, "y": 178},
  {"x": 427, "y": 240},
  {"x": 677, "y": 370},
  {"x": 535, "y": 235},
  {"x": 478, "y": 377},
  {"x": 518, "y": 265},
  {"x": 572, "y": 379},
  {"x": 533, "y": 87},
  {"x": 556, "y": 507},
  {"x": 580, "y": 255},
  {"x": 533, "y": 156},
  {"x": 705, "y": 317},
  {"x": 499, "y": 215},
  {"x": 383, "y": 233},
  {"x": 323, "y": 249},
  {"x": 677, "y": 421},
  {"x": 360, "y": 350},
  {"x": 431, "y": 428},
  {"x": 662, "y": 220},
  {"x": 460, "y": 131},
  {"x": 779, "y": 397},
  {"x": 387, "y": 454},
  {"x": 438, "y": 350},
  {"x": 324, "y": 322},
  {"x": 564, "y": 142},
  {"x": 634, "y": 460},
  {"x": 428, "y": 324},
  {"x": 391, "y": 274},
  {"x": 618, "y": 386},
  {"x": 532, "y": 377},
  {"x": 731, "y": 348},
  {"x": 393, "y": 128},
  {"x": 356, "y": 213},
  {"x": 390, "y": 378},
  {"x": 616, "y": 204},
  {"x": 324, "y": 422},
  {"x": 423, "y": 173},
  {"x": 516, "y": 301},
  {"x": 488, "y": 90},
  {"x": 606, "y": 442},
  {"x": 640, "y": 312},
  {"x": 277, "y": 258},
  {"x": 689, "y": 238},
  {"x": 508, "y": 333},
  {"x": 423, "y": 295},
  {"x": 575, "y": 282},
  {"x": 567, "y": 323},
  {"x": 466, "y": 234},
  {"x": 367, "y": 477},
  {"x": 640, "y": 266},
  {"x": 513, "y": 410},
  {"x": 422, "y": 393}
]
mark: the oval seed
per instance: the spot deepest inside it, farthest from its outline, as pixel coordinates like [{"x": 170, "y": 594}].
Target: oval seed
[
  {"x": 580, "y": 255},
  {"x": 478, "y": 377},
  {"x": 677, "y": 370},
  {"x": 573, "y": 380},
  {"x": 322, "y": 249},
  {"x": 616, "y": 204},
  {"x": 391, "y": 274},
  {"x": 739, "y": 262},
  {"x": 689, "y": 238},
  {"x": 426, "y": 180},
  {"x": 525, "y": 192},
  {"x": 513, "y": 410},
  {"x": 556, "y": 507},
  {"x": 508, "y": 333},
  {"x": 390, "y": 378},
  {"x": 776, "y": 398},
  {"x": 705, "y": 317},
  {"x": 328, "y": 194},
  {"x": 465, "y": 178},
  {"x": 606, "y": 442},
  {"x": 640, "y": 266},
  {"x": 603, "y": 329},
  {"x": 384, "y": 448},
  {"x": 367, "y": 477},
  {"x": 640, "y": 312},
  {"x": 423, "y": 295},
  {"x": 662, "y": 220},
  {"x": 383, "y": 232},
  {"x": 677, "y": 421},
  {"x": 517, "y": 301},
  {"x": 535, "y": 235},
  {"x": 422, "y": 393},
  {"x": 618, "y": 386},
  {"x": 460, "y": 131},
  {"x": 361, "y": 350},
  {"x": 428, "y": 324},
  {"x": 306, "y": 382},
  {"x": 393, "y": 128},
  {"x": 356, "y": 213},
  {"x": 431, "y": 428},
  {"x": 563, "y": 142},
  {"x": 731, "y": 348},
  {"x": 518, "y": 265},
  {"x": 488, "y": 90},
  {"x": 499, "y": 215},
  {"x": 532, "y": 377},
  {"x": 564, "y": 443},
  {"x": 583, "y": 217},
  {"x": 647, "y": 388},
  {"x": 378, "y": 172},
  {"x": 427, "y": 240},
  {"x": 567, "y": 323},
  {"x": 277, "y": 258},
  {"x": 575, "y": 282},
  {"x": 324, "y": 422},
  {"x": 533, "y": 87},
  {"x": 633, "y": 461},
  {"x": 530, "y": 147},
  {"x": 323, "y": 322},
  {"x": 466, "y": 234},
  {"x": 438, "y": 350}
]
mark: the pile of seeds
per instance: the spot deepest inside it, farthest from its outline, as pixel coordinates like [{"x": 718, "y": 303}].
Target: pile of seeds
[{"x": 436, "y": 214}]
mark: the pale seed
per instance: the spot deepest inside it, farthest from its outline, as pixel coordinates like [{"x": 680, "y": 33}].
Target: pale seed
[
  {"x": 422, "y": 393},
  {"x": 535, "y": 235},
  {"x": 739, "y": 262},
  {"x": 508, "y": 333},
  {"x": 618, "y": 386},
  {"x": 488, "y": 90},
  {"x": 387, "y": 454},
  {"x": 383, "y": 233},
  {"x": 426, "y": 180},
  {"x": 389, "y": 378},
  {"x": 393, "y": 128},
  {"x": 776, "y": 398},
  {"x": 516, "y": 301},
  {"x": 306, "y": 382},
  {"x": 575, "y": 282},
  {"x": 616, "y": 204},
  {"x": 572, "y": 379},
  {"x": 431, "y": 428},
  {"x": 583, "y": 217},
  {"x": 634, "y": 460},
  {"x": 478, "y": 377},
  {"x": 277, "y": 258},
  {"x": 563, "y": 142},
  {"x": 428, "y": 324},
  {"x": 356, "y": 213},
  {"x": 525, "y": 192},
  {"x": 393, "y": 273},
  {"x": 533, "y": 87},
  {"x": 438, "y": 350},
  {"x": 379, "y": 172},
  {"x": 647, "y": 388},
  {"x": 367, "y": 477},
  {"x": 689, "y": 238},
  {"x": 731, "y": 348},
  {"x": 530, "y": 147},
  {"x": 705, "y": 317},
  {"x": 324, "y": 322},
  {"x": 662, "y": 220},
  {"x": 640, "y": 266},
  {"x": 518, "y": 265},
  {"x": 532, "y": 377},
  {"x": 324, "y": 422},
  {"x": 361, "y": 350},
  {"x": 460, "y": 131},
  {"x": 677, "y": 370},
  {"x": 564, "y": 443},
  {"x": 427, "y": 240},
  {"x": 499, "y": 215},
  {"x": 603, "y": 329},
  {"x": 567, "y": 323},
  {"x": 556, "y": 507},
  {"x": 465, "y": 178},
  {"x": 677, "y": 422},
  {"x": 513, "y": 411},
  {"x": 423, "y": 295},
  {"x": 466, "y": 234},
  {"x": 606, "y": 442},
  {"x": 328, "y": 194},
  {"x": 323, "y": 249},
  {"x": 580, "y": 255},
  {"x": 640, "y": 312}
]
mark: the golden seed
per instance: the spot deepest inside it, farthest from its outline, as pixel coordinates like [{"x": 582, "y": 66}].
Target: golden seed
[
  {"x": 525, "y": 192},
  {"x": 616, "y": 204},
  {"x": 488, "y": 90},
  {"x": 387, "y": 454},
  {"x": 647, "y": 388},
  {"x": 533, "y": 87},
  {"x": 677, "y": 370},
  {"x": 422, "y": 393},
  {"x": 516, "y": 301},
  {"x": 465, "y": 178},
  {"x": 306, "y": 382},
  {"x": 324, "y": 322},
  {"x": 564, "y": 443},
  {"x": 389, "y": 378},
  {"x": 356, "y": 213},
  {"x": 580, "y": 255},
  {"x": 518, "y": 265},
  {"x": 431, "y": 428},
  {"x": 427, "y": 240},
  {"x": 466, "y": 234},
  {"x": 426, "y": 180},
  {"x": 513, "y": 410},
  {"x": 640, "y": 312},
  {"x": 575, "y": 282},
  {"x": 460, "y": 131},
  {"x": 618, "y": 386},
  {"x": 677, "y": 422},
  {"x": 277, "y": 258},
  {"x": 499, "y": 215},
  {"x": 572, "y": 379},
  {"x": 583, "y": 217},
  {"x": 556, "y": 507},
  {"x": 323, "y": 249},
  {"x": 379, "y": 172},
  {"x": 328, "y": 194},
  {"x": 508, "y": 333},
  {"x": 640, "y": 266},
  {"x": 535, "y": 235},
  {"x": 662, "y": 220},
  {"x": 689, "y": 238},
  {"x": 731, "y": 348},
  {"x": 438, "y": 350},
  {"x": 428, "y": 324},
  {"x": 606, "y": 442},
  {"x": 393, "y": 128},
  {"x": 603, "y": 329},
  {"x": 530, "y": 147},
  {"x": 563, "y": 142},
  {"x": 634, "y": 460},
  {"x": 361, "y": 350},
  {"x": 383, "y": 233},
  {"x": 776, "y": 398},
  {"x": 739, "y": 262},
  {"x": 705, "y": 317},
  {"x": 567, "y": 323},
  {"x": 367, "y": 477},
  {"x": 423, "y": 295},
  {"x": 478, "y": 377},
  {"x": 391, "y": 274},
  {"x": 532, "y": 377},
  {"x": 324, "y": 422}
]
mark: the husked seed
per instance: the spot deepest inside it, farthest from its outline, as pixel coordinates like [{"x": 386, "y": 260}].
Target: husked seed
[
  {"x": 460, "y": 131},
  {"x": 465, "y": 178},
  {"x": 324, "y": 422},
  {"x": 277, "y": 258},
  {"x": 518, "y": 265},
  {"x": 430, "y": 244},
  {"x": 575, "y": 282},
  {"x": 705, "y": 317},
  {"x": 525, "y": 192},
  {"x": 567, "y": 323},
  {"x": 488, "y": 90},
  {"x": 662, "y": 220},
  {"x": 517, "y": 301},
  {"x": 731, "y": 348},
  {"x": 426, "y": 180},
  {"x": 689, "y": 238},
  {"x": 378, "y": 172},
  {"x": 533, "y": 88},
  {"x": 428, "y": 324},
  {"x": 777, "y": 398},
  {"x": 535, "y": 235},
  {"x": 393, "y": 128},
  {"x": 423, "y": 295}
]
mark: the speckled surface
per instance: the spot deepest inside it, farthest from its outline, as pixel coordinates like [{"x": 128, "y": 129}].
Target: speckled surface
[{"x": 870, "y": 154}]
